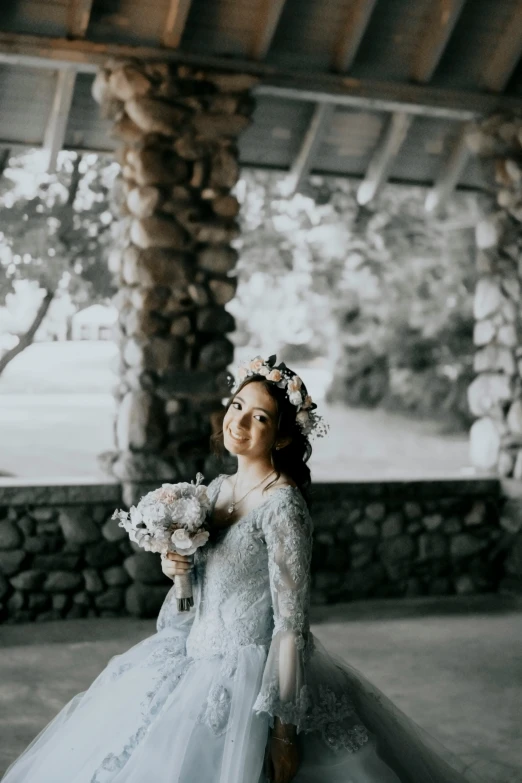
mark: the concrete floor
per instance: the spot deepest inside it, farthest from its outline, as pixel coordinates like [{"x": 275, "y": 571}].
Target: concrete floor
[{"x": 454, "y": 665}]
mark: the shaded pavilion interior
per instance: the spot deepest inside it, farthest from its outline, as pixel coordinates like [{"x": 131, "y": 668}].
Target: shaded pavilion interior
[{"x": 373, "y": 89}]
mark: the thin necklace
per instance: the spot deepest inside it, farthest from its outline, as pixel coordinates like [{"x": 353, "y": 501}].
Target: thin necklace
[{"x": 232, "y": 507}]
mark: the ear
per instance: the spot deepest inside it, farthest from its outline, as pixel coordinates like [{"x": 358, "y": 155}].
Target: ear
[{"x": 282, "y": 443}]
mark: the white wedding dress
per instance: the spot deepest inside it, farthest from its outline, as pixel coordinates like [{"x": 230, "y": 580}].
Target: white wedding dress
[{"x": 193, "y": 702}]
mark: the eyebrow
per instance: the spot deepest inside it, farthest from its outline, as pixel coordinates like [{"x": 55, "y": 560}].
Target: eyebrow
[{"x": 256, "y": 408}]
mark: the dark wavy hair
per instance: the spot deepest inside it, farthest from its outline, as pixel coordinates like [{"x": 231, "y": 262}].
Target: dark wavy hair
[{"x": 292, "y": 459}]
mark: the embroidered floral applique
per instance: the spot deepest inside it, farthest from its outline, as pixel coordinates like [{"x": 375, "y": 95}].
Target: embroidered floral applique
[{"x": 217, "y": 709}]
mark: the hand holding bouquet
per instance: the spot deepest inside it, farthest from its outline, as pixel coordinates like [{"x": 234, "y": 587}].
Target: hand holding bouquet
[{"x": 170, "y": 519}]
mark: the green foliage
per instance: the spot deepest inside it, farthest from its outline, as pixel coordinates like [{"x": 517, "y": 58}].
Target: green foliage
[
  {"x": 385, "y": 293},
  {"x": 56, "y": 230}
]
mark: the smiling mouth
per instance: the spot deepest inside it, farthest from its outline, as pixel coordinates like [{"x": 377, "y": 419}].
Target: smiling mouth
[{"x": 237, "y": 438}]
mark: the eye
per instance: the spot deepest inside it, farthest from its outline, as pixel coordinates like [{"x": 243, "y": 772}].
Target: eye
[
  {"x": 261, "y": 418},
  {"x": 236, "y": 405}
]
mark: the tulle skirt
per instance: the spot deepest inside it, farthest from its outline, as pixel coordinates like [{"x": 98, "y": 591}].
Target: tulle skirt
[{"x": 156, "y": 716}]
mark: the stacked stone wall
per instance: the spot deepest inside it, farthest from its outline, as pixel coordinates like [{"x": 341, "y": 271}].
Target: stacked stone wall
[
  {"x": 413, "y": 539},
  {"x": 174, "y": 263},
  {"x": 62, "y": 557}
]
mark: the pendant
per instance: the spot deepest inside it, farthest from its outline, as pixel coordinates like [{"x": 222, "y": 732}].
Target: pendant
[{"x": 230, "y": 509}]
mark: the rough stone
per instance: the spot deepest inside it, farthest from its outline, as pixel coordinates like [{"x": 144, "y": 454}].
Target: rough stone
[
  {"x": 145, "y": 600},
  {"x": 514, "y": 417},
  {"x": 28, "y": 580},
  {"x": 507, "y": 336},
  {"x": 366, "y": 529},
  {"x": 102, "y": 554},
  {"x": 26, "y": 524},
  {"x": 464, "y": 585},
  {"x": 488, "y": 298},
  {"x": 485, "y": 440},
  {"x": 432, "y": 521},
  {"x": 111, "y": 531},
  {"x": 145, "y": 567},
  {"x": 483, "y": 332},
  {"x": 139, "y": 423},
  {"x": 15, "y": 602},
  {"x": 398, "y": 548},
  {"x": 392, "y": 525},
  {"x": 511, "y": 516},
  {"x": 62, "y": 581},
  {"x": 42, "y": 514},
  {"x": 451, "y": 526},
  {"x": 10, "y": 536},
  {"x": 82, "y": 598},
  {"x": 487, "y": 391},
  {"x": 57, "y": 562},
  {"x": 93, "y": 581},
  {"x": 476, "y": 515},
  {"x": 495, "y": 358},
  {"x": 412, "y": 510},
  {"x": 11, "y": 562},
  {"x": 115, "y": 576},
  {"x": 77, "y": 527},
  {"x": 39, "y": 602},
  {"x": 60, "y": 601},
  {"x": 139, "y": 467},
  {"x": 111, "y": 599},
  {"x": 466, "y": 545},
  {"x": 216, "y": 355},
  {"x": 375, "y": 511},
  {"x": 432, "y": 546}
]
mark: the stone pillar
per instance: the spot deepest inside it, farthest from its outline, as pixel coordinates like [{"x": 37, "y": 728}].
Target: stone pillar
[
  {"x": 174, "y": 261},
  {"x": 495, "y": 396}
]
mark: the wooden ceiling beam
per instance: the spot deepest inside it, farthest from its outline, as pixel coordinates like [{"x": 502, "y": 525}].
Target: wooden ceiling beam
[
  {"x": 383, "y": 157},
  {"x": 440, "y": 23},
  {"x": 87, "y": 56},
  {"x": 505, "y": 59},
  {"x": 79, "y": 15},
  {"x": 266, "y": 27},
  {"x": 351, "y": 34},
  {"x": 175, "y": 22},
  {"x": 56, "y": 128},
  {"x": 496, "y": 77},
  {"x": 318, "y": 126}
]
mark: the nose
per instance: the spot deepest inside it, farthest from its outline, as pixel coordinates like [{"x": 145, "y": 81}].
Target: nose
[{"x": 242, "y": 420}]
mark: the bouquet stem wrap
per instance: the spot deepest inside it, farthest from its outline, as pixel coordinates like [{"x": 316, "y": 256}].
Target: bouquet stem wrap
[{"x": 183, "y": 591}]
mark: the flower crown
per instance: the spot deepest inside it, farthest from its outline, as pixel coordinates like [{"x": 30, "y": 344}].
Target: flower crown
[{"x": 308, "y": 421}]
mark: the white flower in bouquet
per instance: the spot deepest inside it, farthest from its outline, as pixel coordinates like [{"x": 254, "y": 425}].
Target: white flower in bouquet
[{"x": 170, "y": 519}]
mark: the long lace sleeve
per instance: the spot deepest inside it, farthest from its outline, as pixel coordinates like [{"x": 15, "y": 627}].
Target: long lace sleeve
[{"x": 287, "y": 530}]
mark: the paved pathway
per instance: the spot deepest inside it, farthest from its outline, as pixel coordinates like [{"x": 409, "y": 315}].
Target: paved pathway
[{"x": 452, "y": 664}]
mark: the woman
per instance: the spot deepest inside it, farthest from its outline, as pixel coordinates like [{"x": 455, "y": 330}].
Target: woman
[{"x": 238, "y": 691}]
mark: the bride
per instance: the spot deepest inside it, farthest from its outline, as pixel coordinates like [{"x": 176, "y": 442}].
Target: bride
[{"x": 238, "y": 690}]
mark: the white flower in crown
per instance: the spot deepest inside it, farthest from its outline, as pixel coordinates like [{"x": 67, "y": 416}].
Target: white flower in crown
[{"x": 307, "y": 420}]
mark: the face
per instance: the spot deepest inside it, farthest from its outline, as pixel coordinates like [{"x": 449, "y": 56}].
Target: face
[{"x": 250, "y": 424}]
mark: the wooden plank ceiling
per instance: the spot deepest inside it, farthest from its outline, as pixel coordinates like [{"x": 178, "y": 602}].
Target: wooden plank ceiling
[{"x": 373, "y": 89}]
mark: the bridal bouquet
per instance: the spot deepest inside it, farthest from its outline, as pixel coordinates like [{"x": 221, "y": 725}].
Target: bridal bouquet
[{"x": 170, "y": 519}]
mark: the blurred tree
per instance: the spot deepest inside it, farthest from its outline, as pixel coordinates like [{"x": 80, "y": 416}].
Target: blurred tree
[
  {"x": 384, "y": 292},
  {"x": 55, "y": 230}
]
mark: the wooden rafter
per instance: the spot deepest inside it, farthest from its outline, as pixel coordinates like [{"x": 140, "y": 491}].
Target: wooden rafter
[
  {"x": 79, "y": 13},
  {"x": 441, "y": 20},
  {"x": 266, "y": 26},
  {"x": 421, "y": 100},
  {"x": 384, "y": 156},
  {"x": 351, "y": 34},
  {"x": 496, "y": 77},
  {"x": 450, "y": 174},
  {"x": 504, "y": 60},
  {"x": 319, "y": 123},
  {"x": 57, "y": 122},
  {"x": 175, "y": 22}
]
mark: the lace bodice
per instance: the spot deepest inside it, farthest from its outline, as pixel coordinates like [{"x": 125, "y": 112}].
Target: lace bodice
[{"x": 252, "y": 587}]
